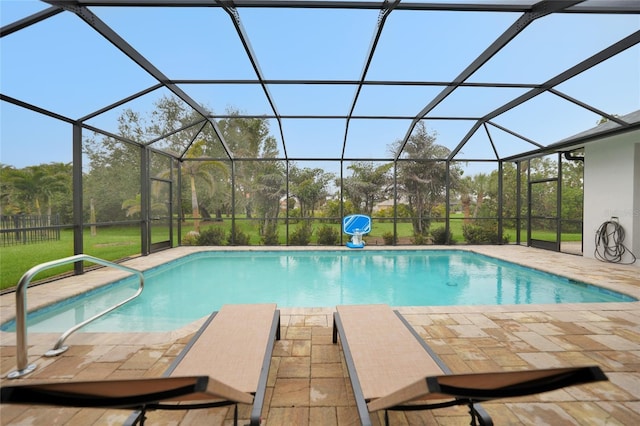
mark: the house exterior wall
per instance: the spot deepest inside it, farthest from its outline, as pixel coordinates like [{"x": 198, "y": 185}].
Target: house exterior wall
[{"x": 612, "y": 189}]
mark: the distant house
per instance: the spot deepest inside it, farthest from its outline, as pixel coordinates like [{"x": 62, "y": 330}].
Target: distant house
[{"x": 386, "y": 204}]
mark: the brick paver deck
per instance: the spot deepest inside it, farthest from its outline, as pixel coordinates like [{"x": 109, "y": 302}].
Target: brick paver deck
[{"x": 308, "y": 381}]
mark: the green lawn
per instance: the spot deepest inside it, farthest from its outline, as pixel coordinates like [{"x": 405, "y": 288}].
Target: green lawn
[
  {"x": 113, "y": 243},
  {"x": 110, "y": 243}
]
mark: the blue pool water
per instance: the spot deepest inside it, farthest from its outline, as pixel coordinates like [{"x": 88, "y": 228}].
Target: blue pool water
[{"x": 190, "y": 288}]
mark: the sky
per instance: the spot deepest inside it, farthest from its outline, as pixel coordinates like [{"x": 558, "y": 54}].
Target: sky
[{"x": 62, "y": 65}]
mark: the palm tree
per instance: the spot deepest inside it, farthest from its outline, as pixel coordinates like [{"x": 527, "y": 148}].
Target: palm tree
[
  {"x": 26, "y": 182},
  {"x": 56, "y": 180},
  {"x": 204, "y": 170},
  {"x": 37, "y": 184},
  {"x": 133, "y": 206},
  {"x": 8, "y": 193}
]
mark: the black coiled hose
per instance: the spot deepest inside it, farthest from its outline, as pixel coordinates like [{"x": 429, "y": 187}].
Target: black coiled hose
[{"x": 609, "y": 247}]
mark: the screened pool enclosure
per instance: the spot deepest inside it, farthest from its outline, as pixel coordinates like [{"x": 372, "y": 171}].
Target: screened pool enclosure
[{"x": 265, "y": 122}]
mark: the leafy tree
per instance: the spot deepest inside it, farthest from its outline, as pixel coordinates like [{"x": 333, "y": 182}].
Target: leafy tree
[
  {"x": 545, "y": 196},
  {"x": 113, "y": 174},
  {"x": 509, "y": 193},
  {"x": 249, "y": 139},
  {"x": 465, "y": 190},
  {"x": 171, "y": 114},
  {"x": 270, "y": 188},
  {"x": 368, "y": 185},
  {"x": 197, "y": 144},
  {"x": 310, "y": 187},
  {"x": 175, "y": 128},
  {"x": 422, "y": 180},
  {"x": 260, "y": 183},
  {"x": 332, "y": 209}
]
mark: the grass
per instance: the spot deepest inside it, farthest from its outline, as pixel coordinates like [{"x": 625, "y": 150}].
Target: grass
[
  {"x": 114, "y": 243},
  {"x": 110, "y": 243}
]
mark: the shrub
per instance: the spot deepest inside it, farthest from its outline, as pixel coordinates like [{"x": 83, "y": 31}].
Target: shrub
[
  {"x": 238, "y": 238},
  {"x": 270, "y": 236},
  {"x": 301, "y": 236},
  {"x": 386, "y": 214},
  {"x": 441, "y": 236},
  {"x": 473, "y": 234},
  {"x": 477, "y": 234},
  {"x": 211, "y": 237},
  {"x": 388, "y": 238},
  {"x": 419, "y": 239},
  {"x": 328, "y": 236},
  {"x": 191, "y": 239}
]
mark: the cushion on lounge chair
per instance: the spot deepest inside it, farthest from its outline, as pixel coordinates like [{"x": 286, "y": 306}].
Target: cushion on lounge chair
[
  {"x": 381, "y": 344},
  {"x": 226, "y": 362},
  {"x": 232, "y": 347},
  {"x": 392, "y": 368}
]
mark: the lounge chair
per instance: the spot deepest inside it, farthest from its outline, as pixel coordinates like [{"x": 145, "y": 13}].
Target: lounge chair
[
  {"x": 392, "y": 368},
  {"x": 226, "y": 363}
]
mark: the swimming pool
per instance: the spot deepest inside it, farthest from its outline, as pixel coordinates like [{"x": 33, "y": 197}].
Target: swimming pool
[{"x": 190, "y": 288}]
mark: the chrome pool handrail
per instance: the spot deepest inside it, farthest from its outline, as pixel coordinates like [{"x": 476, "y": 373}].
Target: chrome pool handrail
[{"x": 21, "y": 309}]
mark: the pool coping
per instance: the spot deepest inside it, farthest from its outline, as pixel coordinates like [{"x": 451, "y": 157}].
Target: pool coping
[{"x": 619, "y": 278}]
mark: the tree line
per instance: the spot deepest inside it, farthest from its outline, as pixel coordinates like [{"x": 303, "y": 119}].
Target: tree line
[
  {"x": 43, "y": 189},
  {"x": 257, "y": 184}
]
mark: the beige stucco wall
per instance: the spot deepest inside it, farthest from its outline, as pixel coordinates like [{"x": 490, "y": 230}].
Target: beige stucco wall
[{"x": 612, "y": 189}]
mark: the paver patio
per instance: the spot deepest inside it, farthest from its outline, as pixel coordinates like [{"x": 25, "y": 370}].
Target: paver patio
[{"x": 308, "y": 382}]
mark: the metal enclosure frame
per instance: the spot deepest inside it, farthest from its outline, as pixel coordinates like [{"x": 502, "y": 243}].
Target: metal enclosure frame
[{"x": 528, "y": 13}]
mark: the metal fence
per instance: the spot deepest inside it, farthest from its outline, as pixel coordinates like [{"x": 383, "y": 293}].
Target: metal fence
[{"x": 28, "y": 229}]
